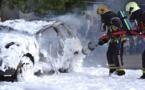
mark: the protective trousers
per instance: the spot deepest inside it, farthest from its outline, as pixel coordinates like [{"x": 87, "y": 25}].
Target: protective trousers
[{"x": 115, "y": 55}]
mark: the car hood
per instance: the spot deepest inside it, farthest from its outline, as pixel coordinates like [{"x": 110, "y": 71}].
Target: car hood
[{"x": 13, "y": 47}]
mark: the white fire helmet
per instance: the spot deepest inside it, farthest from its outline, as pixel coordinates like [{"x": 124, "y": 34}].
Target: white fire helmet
[{"x": 131, "y": 7}]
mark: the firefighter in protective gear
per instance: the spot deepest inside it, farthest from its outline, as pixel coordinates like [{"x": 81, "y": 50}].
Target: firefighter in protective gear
[
  {"x": 137, "y": 14},
  {"x": 112, "y": 23}
]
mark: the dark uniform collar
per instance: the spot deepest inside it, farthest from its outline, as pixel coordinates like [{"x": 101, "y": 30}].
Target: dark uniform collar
[{"x": 136, "y": 14}]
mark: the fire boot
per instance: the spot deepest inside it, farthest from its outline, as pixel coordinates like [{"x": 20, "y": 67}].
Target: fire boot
[
  {"x": 112, "y": 69},
  {"x": 143, "y": 75},
  {"x": 120, "y": 71}
]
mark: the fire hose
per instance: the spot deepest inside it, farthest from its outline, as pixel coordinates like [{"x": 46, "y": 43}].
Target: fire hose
[{"x": 92, "y": 45}]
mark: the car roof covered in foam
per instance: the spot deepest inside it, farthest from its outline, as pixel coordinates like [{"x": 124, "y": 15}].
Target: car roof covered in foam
[{"x": 30, "y": 27}]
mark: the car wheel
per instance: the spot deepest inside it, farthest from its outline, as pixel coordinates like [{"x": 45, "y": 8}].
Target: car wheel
[{"x": 25, "y": 68}]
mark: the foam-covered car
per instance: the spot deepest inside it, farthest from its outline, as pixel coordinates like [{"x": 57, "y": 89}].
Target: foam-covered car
[{"x": 32, "y": 47}]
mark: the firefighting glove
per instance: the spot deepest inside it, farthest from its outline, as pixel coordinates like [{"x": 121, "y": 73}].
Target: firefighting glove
[{"x": 102, "y": 42}]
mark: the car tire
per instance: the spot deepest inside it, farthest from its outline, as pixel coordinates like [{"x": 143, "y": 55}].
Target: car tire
[{"x": 26, "y": 65}]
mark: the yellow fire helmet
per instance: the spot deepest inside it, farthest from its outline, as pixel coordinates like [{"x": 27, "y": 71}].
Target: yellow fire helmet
[
  {"x": 102, "y": 9},
  {"x": 131, "y": 7}
]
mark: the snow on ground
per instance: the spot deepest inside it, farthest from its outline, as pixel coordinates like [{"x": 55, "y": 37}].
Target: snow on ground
[{"x": 92, "y": 78}]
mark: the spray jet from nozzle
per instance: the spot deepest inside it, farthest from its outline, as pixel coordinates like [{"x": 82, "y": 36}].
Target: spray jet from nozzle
[{"x": 90, "y": 47}]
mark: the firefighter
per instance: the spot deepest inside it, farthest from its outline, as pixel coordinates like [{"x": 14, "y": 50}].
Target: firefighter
[
  {"x": 111, "y": 22},
  {"x": 137, "y": 15}
]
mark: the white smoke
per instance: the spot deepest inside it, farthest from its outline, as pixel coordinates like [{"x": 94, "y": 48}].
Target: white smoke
[{"x": 71, "y": 19}]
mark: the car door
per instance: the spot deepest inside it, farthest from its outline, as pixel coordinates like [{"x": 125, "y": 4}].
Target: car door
[{"x": 50, "y": 42}]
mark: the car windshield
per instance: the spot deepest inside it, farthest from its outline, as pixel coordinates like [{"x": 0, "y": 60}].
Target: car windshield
[{"x": 64, "y": 30}]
